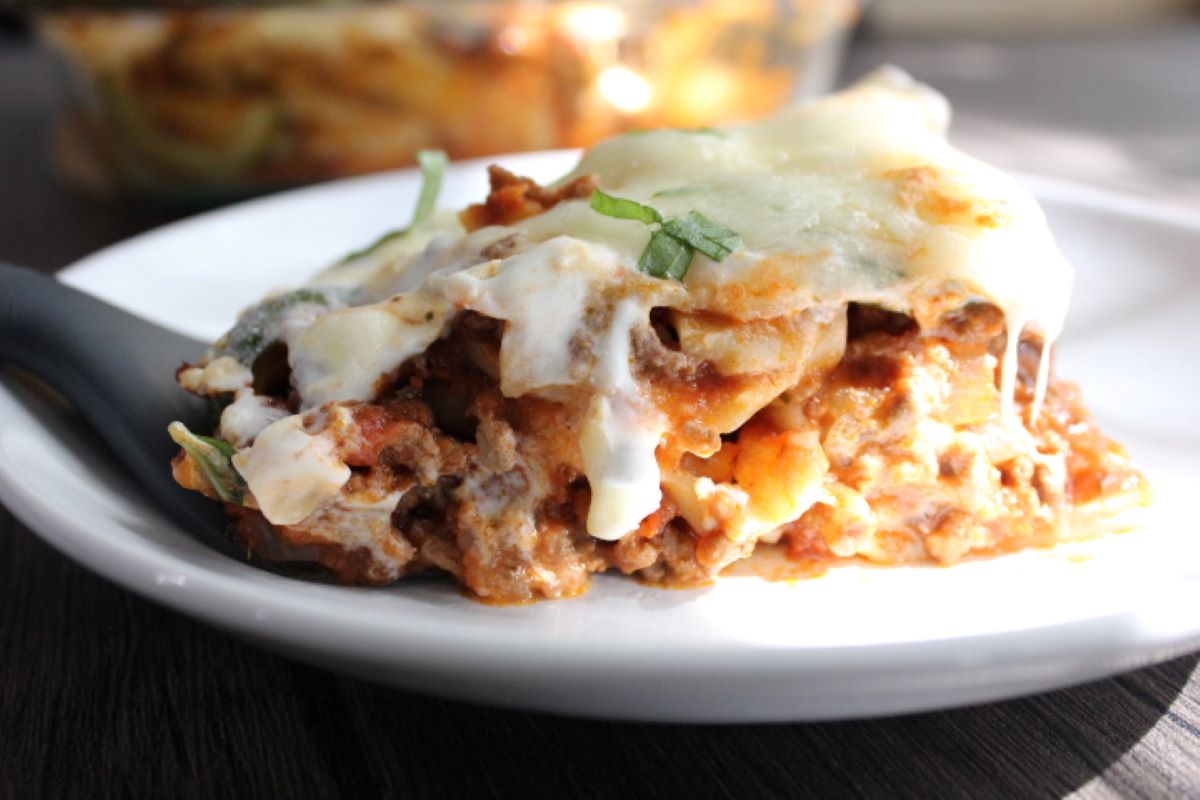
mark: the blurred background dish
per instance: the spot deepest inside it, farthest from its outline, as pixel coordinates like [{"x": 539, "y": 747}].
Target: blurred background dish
[{"x": 212, "y": 103}]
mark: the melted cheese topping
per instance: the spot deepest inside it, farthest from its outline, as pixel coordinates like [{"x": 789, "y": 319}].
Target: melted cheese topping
[
  {"x": 542, "y": 294},
  {"x": 855, "y": 197},
  {"x": 224, "y": 374},
  {"x": 290, "y": 471},
  {"x": 344, "y": 353},
  {"x": 246, "y": 417},
  {"x": 620, "y": 436}
]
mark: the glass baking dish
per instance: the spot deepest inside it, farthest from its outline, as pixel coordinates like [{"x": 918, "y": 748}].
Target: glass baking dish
[{"x": 224, "y": 100}]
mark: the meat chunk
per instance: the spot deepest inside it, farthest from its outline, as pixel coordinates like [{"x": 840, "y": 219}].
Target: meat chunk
[{"x": 514, "y": 198}]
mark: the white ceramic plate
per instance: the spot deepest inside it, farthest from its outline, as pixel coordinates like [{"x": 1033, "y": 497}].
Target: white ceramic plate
[{"x": 855, "y": 642}]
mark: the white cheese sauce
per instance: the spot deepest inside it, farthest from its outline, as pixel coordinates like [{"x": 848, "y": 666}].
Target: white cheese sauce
[
  {"x": 244, "y": 418},
  {"x": 543, "y": 294},
  {"x": 224, "y": 374},
  {"x": 342, "y": 355},
  {"x": 290, "y": 471},
  {"x": 620, "y": 434}
]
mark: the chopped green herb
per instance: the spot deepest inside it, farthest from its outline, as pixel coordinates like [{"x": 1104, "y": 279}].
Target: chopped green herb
[
  {"x": 677, "y": 192},
  {"x": 213, "y": 458},
  {"x": 704, "y": 235},
  {"x": 673, "y": 244},
  {"x": 623, "y": 208},
  {"x": 665, "y": 257},
  {"x": 298, "y": 296},
  {"x": 257, "y": 328},
  {"x": 433, "y": 168},
  {"x": 227, "y": 450},
  {"x": 373, "y": 246}
]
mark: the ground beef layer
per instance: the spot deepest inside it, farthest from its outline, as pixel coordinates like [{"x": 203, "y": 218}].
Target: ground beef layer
[{"x": 450, "y": 476}]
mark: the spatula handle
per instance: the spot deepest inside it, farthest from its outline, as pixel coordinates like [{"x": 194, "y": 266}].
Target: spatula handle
[{"x": 117, "y": 370}]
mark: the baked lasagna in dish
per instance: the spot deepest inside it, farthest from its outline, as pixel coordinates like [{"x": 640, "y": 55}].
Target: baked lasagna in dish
[{"x": 827, "y": 333}]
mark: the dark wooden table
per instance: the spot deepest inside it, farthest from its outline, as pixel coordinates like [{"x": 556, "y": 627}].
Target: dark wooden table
[{"x": 105, "y": 694}]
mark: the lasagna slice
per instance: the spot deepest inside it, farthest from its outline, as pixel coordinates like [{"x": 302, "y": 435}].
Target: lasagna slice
[{"x": 828, "y": 332}]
